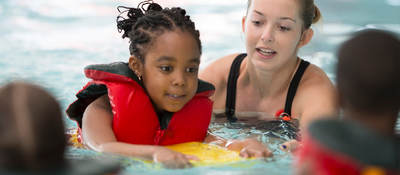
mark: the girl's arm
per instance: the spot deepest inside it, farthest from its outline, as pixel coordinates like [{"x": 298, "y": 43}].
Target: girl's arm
[
  {"x": 98, "y": 135},
  {"x": 249, "y": 147}
]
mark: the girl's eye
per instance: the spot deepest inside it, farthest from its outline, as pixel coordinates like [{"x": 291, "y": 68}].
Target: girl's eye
[
  {"x": 165, "y": 68},
  {"x": 284, "y": 28},
  {"x": 192, "y": 69}
]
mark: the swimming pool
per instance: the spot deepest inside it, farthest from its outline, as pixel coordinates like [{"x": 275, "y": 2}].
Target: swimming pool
[{"x": 49, "y": 43}]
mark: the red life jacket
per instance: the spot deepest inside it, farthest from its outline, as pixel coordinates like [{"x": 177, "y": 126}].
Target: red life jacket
[
  {"x": 333, "y": 147},
  {"x": 135, "y": 120}
]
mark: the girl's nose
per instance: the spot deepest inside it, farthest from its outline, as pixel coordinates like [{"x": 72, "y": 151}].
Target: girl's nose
[{"x": 178, "y": 79}]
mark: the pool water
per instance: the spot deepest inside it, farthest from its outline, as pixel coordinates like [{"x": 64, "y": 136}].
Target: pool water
[{"x": 49, "y": 43}]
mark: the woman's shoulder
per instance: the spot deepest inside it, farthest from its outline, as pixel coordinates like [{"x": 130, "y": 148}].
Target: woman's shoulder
[
  {"x": 218, "y": 70},
  {"x": 316, "y": 95},
  {"x": 315, "y": 78}
]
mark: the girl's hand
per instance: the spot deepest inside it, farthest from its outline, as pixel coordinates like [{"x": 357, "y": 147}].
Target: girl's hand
[
  {"x": 249, "y": 148},
  {"x": 172, "y": 159}
]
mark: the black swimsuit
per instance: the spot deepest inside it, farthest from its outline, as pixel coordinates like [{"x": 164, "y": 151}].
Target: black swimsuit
[{"x": 232, "y": 81}]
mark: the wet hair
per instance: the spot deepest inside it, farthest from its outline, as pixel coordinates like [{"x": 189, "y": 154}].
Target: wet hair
[
  {"x": 309, "y": 12},
  {"x": 149, "y": 20},
  {"x": 368, "y": 72},
  {"x": 31, "y": 129}
]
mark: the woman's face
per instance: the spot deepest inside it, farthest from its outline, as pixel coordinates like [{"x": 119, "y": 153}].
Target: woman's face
[
  {"x": 170, "y": 70},
  {"x": 273, "y": 30}
]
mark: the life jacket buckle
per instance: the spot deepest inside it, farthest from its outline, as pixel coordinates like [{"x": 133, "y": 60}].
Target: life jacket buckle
[{"x": 281, "y": 115}]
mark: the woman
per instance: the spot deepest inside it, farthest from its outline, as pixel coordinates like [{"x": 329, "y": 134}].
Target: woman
[{"x": 270, "y": 76}]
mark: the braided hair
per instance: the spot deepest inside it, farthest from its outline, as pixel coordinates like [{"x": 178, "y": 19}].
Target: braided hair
[{"x": 143, "y": 24}]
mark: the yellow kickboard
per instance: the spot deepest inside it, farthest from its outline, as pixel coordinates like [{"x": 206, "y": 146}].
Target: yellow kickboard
[{"x": 208, "y": 154}]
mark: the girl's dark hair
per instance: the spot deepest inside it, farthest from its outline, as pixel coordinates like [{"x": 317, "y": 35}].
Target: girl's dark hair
[
  {"x": 143, "y": 24},
  {"x": 309, "y": 12}
]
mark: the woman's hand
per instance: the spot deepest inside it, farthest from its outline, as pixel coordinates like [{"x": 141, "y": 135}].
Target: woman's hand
[
  {"x": 290, "y": 146},
  {"x": 249, "y": 148},
  {"x": 172, "y": 159}
]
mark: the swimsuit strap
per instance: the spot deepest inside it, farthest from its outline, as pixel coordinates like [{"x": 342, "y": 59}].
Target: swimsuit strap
[
  {"x": 232, "y": 82},
  {"x": 293, "y": 86},
  {"x": 231, "y": 87}
]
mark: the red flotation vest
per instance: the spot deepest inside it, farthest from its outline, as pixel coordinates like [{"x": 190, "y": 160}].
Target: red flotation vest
[
  {"x": 135, "y": 120},
  {"x": 333, "y": 147}
]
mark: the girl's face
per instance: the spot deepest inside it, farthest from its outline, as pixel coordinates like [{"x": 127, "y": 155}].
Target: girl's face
[
  {"x": 273, "y": 30},
  {"x": 170, "y": 70}
]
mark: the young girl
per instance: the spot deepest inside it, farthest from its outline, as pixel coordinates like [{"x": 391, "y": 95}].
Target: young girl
[
  {"x": 156, "y": 98},
  {"x": 270, "y": 77}
]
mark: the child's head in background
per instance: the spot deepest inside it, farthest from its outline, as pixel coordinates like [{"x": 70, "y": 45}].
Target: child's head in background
[
  {"x": 368, "y": 75},
  {"x": 165, "y": 51},
  {"x": 31, "y": 129}
]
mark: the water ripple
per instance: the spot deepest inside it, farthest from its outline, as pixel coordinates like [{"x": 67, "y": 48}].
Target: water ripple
[{"x": 393, "y": 2}]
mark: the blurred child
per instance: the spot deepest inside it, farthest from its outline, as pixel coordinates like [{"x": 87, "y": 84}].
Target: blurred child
[
  {"x": 32, "y": 134},
  {"x": 28, "y": 113},
  {"x": 365, "y": 141},
  {"x": 156, "y": 98}
]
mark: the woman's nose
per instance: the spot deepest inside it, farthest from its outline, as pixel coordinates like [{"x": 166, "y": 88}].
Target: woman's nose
[{"x": 268, "y": 35}]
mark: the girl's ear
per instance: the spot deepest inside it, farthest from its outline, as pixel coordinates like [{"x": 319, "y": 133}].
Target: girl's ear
[
  {"x": 136, "y": 66},
  {"x": 306, "y": 37}
]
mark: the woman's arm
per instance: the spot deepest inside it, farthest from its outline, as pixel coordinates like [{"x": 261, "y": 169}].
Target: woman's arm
[
  {"x": 316, "y": 98},
  {"x": 321, "y": 103},
  {"x": 248, "y": 147},
  {"x": 98, "y": 135}
]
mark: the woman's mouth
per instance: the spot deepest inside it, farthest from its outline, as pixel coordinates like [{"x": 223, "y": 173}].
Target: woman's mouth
[{"x": 266, "y": 53}]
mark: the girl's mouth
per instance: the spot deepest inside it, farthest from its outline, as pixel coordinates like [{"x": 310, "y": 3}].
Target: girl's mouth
[{"x": 176, "y": 96}]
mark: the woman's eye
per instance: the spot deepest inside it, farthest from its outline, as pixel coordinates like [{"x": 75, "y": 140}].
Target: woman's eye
[
  {"x": 284, "y": 28},
  {"x": 165, "y": 68},
  {"x": 256, "y": 23}
]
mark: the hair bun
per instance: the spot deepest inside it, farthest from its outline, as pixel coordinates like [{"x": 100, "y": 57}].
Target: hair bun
[
  {"x": 134, "y": 13},
  {"x": 183, "y": 12},
  {"x": 125, "y": 24},
  {"x": 178, "y": 10},
  {"x": 154, "y": 7},
  {"x": 317, "y": 15}
]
